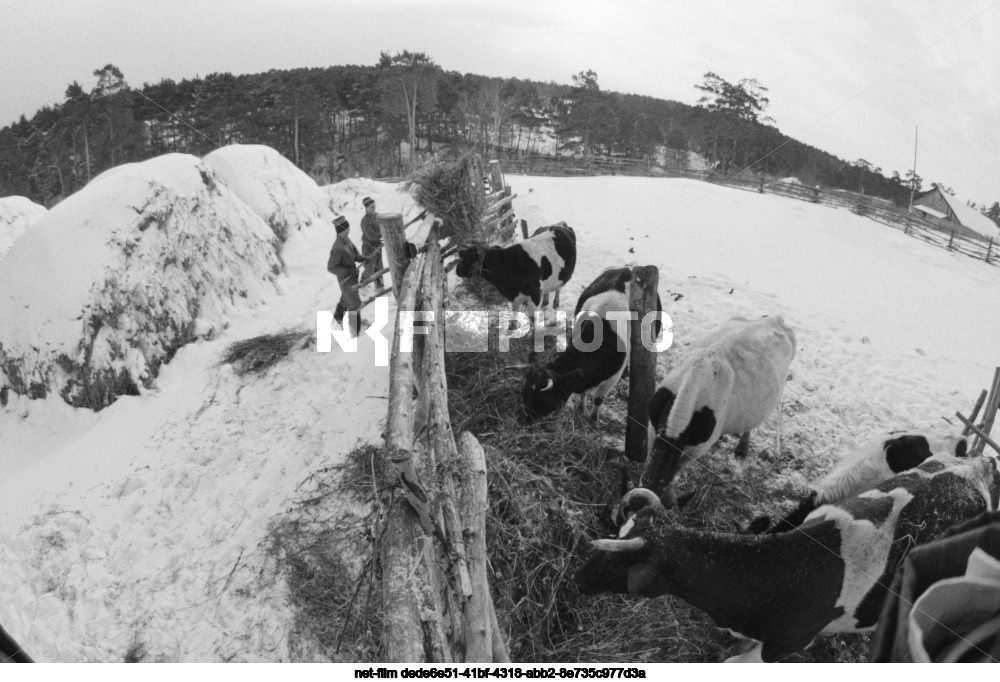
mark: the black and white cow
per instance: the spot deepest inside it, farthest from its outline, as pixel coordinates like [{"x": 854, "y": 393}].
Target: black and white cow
[
  {"x": 875, "y": 461},
  {"x": 11, "y": 651},
  {"x": 729, "y": 382},
  {"x": 829, "y": 575},
  {"x": 526, "y": 272},
  {"x": 576, "y": 370}
]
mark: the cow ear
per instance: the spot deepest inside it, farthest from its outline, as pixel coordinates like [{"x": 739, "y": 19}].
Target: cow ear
[{"x": 660, "y": 405}]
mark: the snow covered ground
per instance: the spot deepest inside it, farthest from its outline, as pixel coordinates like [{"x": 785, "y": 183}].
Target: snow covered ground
[{"x": 145, "y": 519}]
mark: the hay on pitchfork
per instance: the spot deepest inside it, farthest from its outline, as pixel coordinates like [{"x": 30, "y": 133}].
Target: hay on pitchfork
[{"x": 446, "y": 189}]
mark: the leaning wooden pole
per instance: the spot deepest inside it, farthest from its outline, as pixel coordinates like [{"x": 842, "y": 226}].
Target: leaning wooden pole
[
  {"x": 405, "y": 575},
  {"x": 989, "y": 415},
  {"x": 642, "y": 367},
  {"x": 394, "y": 247}
]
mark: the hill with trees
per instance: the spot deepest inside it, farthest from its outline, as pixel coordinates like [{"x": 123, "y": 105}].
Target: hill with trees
[{"x": 383, "y": 119}]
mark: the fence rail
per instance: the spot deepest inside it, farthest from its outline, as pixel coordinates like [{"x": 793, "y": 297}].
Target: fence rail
[{"x": 958, "y": 239}]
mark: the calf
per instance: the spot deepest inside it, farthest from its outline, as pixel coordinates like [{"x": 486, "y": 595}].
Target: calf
[
  {"x": 525, "y": 272},
  {"x": 11, "y": 651},
  {"x": 829, "y": 575},
  {"x": 874, "y": 462},
  {"x": 729, "y": 382},
  {"x": 547, "y": 389}
]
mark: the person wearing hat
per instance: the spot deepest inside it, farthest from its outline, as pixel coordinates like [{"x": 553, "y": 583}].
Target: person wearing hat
[
  {"x": 343, "y": 263},
  {"x": 371, "y": 243}
]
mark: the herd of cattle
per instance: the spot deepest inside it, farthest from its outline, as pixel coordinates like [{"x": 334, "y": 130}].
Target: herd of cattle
[{"x": 827, "y": 565}]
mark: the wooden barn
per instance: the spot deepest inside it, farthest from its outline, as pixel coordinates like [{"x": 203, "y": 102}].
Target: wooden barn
[{"x": 950, "y": 213}]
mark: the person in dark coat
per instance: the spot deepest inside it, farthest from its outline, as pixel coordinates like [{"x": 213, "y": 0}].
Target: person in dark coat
[
  {"x": 371, "y": 243},
  {"x": 343, "y": 261}
]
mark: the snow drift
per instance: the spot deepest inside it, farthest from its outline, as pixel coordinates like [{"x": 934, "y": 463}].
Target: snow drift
[
  {"x": 285, "y": 197},
  {"x": 107, "y": 285},
  {"x": 16, "y": 215}
]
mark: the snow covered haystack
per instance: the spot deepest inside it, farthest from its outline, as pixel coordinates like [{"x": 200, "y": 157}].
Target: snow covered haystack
[
  {"x": 16, "y": 215},
  {"x": 106, "y": 286},
  {"x": 285, "y": 197}
]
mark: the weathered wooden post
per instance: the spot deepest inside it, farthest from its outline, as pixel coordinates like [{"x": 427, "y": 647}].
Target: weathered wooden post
[
  {"x": 760, "y": 183},
  {"x": 990, "y": 414},
  {"x": 815, "y": 198},
  {"x": 524, "y": 228},
  {"x": 989, "y": 250},
  {"x": 642, "y": 366},
  {"x": 951, "y": 239},
  {"x": 394, "y": 247}
]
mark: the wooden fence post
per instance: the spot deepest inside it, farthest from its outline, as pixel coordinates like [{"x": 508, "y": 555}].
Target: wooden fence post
[
  {"x": 815, "y": 198},
  {"x": 951, "y": 239},
  {"x": 642, "y": 366},
  {"x": 760, "y": 184},
  {"x": 989, "y": 250},
  {"x": 394, "y": 246},
  {"x": 524, "y": 228}
]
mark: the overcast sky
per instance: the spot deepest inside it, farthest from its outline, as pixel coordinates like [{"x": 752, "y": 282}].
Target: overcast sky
[{"x": 852, "y": 77}]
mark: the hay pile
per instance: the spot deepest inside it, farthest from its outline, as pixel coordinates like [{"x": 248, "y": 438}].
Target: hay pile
[
  {"x": 446, "y": 189},
  {"x": 261, "y": 352}
]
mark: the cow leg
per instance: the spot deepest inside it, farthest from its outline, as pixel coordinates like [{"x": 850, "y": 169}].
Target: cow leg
[
  {"x": 743, "y": 447},
  {"x": 555, "y": 303},
  {"x": 595, "y": 414}
]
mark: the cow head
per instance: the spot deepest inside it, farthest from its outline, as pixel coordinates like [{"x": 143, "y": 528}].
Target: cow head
[
  {"x": 626, "y": 565},
  {"x": 667, "y": 453},
  {"x": 546, "y": 391},
  {"x": 472, "y": 260}
]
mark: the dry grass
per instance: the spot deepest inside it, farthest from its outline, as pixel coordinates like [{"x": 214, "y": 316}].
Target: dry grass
[
  {"x": 262, "y": 352},
  {"x": 325, "y": 545},
  {"x": 445, "y": 189}
]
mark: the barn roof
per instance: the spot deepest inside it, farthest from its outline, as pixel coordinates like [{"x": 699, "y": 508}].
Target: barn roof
[
  {"x": 929, "y": 211},
  {"x": 970, "y": 217}
]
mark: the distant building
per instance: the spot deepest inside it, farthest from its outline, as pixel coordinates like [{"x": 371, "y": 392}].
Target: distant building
[{"x": 950, "y": 213}]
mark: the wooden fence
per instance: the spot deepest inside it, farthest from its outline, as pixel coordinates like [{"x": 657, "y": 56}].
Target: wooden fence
[
  {"x": 877, "y": 209},
  {"x": 437, "y": 599}
]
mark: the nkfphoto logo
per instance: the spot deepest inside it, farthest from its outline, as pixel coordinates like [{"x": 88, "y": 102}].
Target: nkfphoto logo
[{"x": 469, "y": 331}]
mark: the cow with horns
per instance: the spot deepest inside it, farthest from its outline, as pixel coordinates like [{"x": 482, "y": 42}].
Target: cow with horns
[
  {"x": 525, "y": 273},
  {"x": 728, "y": 383},
  {"x": 577, "y": 370},
  {"x": 831, "y": 574},
  {"x": 875, "y": 461}
]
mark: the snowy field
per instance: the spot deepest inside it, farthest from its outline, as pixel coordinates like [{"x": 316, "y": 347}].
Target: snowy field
[{"x": 145, "y": 520}]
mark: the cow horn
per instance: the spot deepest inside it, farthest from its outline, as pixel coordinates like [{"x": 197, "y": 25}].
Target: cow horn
[
  {"x": 650, "y": 498},
  {"x": 518, "y": 367},
  {"x": 548, "y": 386},
  {"x": 630, "y": 545}
]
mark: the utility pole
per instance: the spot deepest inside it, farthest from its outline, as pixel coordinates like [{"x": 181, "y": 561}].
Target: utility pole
[{"x": 913, "y": 180}]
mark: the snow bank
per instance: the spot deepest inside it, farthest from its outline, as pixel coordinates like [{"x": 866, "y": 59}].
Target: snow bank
[
  {"x": 17, "y": 214},
  {"x": 285, "y": 197},
  {"x": 106, "y": 286}
]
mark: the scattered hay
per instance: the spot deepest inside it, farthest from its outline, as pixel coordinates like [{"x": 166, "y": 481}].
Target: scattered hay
[
  {"x": 261, "y": 352},
  {"x": 552, "y": 485},
  {"x": 326, "y": 546},
  {"x": 445, "y": 188}
]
